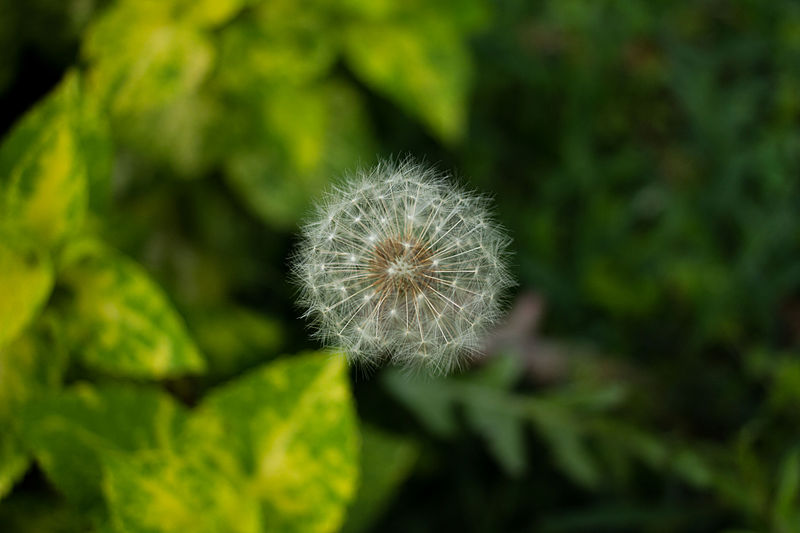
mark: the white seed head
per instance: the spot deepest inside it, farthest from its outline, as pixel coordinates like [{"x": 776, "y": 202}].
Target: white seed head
[{"x": 399, "y": 263}]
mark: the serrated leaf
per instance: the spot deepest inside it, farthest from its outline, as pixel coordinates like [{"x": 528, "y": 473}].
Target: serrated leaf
[
  {"x": 499, "y": 417},
  {"x": 43, "y": 171},
  {"x": 293, "y": 426},
  {"x": 566, "y": 441},
  {"x": 786, "y": 509},
  {"x": 494, "y": 414},
  {"x": 25, "y": 284},
  {"x": 502, "y": 429},
  {"x": 120, "y": 321},
  {"x": 70, "y": 432},
  {"x": 168, "y": 493},
  {"x": 386, "y": 461},
  {"x": 424, "y": 67},
  {"x": 693, "y": 468},
  {"x": 649, "y": 448},
  {"x": 431, "y": 400}
]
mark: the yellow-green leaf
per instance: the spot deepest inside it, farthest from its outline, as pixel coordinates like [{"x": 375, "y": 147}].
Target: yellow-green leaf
[
  {"x": 13, "y": 460},
  {"x": 29, "y": 366},
  {"x": 424, "y": 67},
  {"x": 179, "y": 135},
  {"x": 26, "y": 279},
  {"x": 43, "y": 183},
  {"x": 70, "y": 432},
  {"x": 286, "y": 45},
  {"x": 119, "y": 321},
  {"x": 169, "y": 493},
  {"x": 293, "y": 426},
  {"x": 302, "y": 138},
  {"x": 207, "y": 13},
  {"x": 147, "y": 60},
  {"x": 34, "y": 362},
  {"x": 142, "y": 59},
  {"x": 98, "y": 152}
]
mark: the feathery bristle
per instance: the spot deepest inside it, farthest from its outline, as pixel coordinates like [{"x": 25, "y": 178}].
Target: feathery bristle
[{"x": 399, "y": 264}]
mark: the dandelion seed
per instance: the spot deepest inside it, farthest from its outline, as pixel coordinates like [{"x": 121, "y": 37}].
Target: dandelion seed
[{"x": 417, "y": 275}]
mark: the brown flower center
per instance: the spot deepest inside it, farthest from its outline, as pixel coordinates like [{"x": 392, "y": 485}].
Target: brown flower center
[{"x": 401, "y": 266}]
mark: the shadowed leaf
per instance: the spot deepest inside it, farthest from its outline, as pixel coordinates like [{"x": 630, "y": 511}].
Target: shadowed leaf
[
  {"x": 72, "y": 431},
  {"x": 120, "y": 321}
]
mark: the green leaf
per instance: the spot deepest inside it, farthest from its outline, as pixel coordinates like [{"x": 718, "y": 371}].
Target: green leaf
[
  {"x": 424, "y": 67},
  {"x": 272, "y": 451},
  {"x": 30, "y": 365},
  {"x": 94, "y": 136},
  {"x": 234, "y": 338},
  {"x": 148, "y": 61},
  {"x": 499, "y": 416},
  {"x": 300, "y": 138},
  {"x": 70, "y": 432},
  {"x": 13, "y": 460},
  {"x": 493, "y": 413},
  {"x": 627, "y": 440},
  {"x": 489, "y": 409},
  {"x": 431, "y": 400},
  {"x": 786, "y": 508},
  {"x": 464, "y": 14},
  {"x": 207, "y": 13},
  {"x": 293, "y": 427},
  {"x": 501, "y": 427},
  {"x": 286, "y": 44},
  {"x": 168, "y": 493},
  {"x": 41, "y": 513},
  {"x": 142, "y": 59},
  {"x": 386, "y": 461},
  {"x": 693, "y": 468},
  {"x": 119, "y": 320},
  {"x": 25, "y": 284},
  {"x": 566, "y": 442},
  {"x": 43, "y": 170}
]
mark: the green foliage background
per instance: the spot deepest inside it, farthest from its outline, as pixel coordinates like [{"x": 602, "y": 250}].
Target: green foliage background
[{"x": 157, "y": 156}]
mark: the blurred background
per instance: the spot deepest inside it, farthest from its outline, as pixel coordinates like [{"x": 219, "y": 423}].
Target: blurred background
[{"x": 644, "y": 155}]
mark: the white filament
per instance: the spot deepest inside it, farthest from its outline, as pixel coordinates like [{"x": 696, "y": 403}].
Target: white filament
[{"x": 400, "y": 264}]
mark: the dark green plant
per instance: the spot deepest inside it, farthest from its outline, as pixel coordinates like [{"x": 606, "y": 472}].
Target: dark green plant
[{"x": 155, "y": 161}]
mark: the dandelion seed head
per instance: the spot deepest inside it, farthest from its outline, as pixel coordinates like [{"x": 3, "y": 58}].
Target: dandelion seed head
[{"x": 398, "y": 263}]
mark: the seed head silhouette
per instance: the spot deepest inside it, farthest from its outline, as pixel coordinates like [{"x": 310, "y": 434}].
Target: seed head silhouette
[{"x": 399, "y": 264}]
